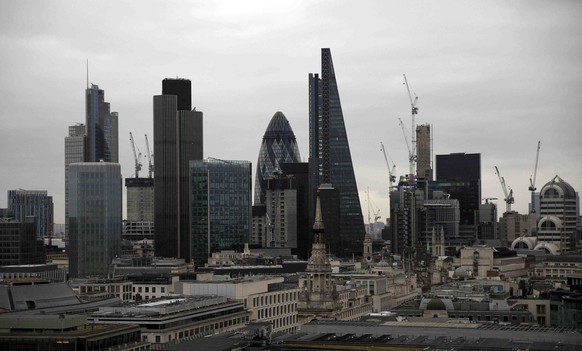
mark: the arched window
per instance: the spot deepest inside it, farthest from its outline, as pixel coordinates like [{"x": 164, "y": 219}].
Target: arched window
[{"x": 551, "y": 193}]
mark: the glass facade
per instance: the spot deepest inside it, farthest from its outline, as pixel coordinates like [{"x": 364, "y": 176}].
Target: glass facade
[
  {"x": 330, "y": 157},
  {"x": 279, "y": 146},
  {"x": 102, "y": 143},
  {"x": 94, "y": 217},
  {"x": 220, "y": 199},
  {"x": 33, "y": 203}
]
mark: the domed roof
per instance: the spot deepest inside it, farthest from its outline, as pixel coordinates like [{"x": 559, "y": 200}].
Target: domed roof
[
  {"x": 279, "y": 128},
  {"x": 461, "y": 272},
  {"x": 548, "y": 247},
  {"x": 560, "y": 186},
  {"x": 436, "y": 304},
  {"x": 279, "y": 145},
  {"x": 529, "y": 241}
]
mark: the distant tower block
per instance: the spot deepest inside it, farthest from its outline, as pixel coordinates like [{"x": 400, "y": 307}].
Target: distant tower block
[{"x": 424, "y": 151}]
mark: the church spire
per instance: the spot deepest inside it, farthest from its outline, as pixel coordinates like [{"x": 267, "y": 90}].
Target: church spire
[{"x": 318, "y": 228}]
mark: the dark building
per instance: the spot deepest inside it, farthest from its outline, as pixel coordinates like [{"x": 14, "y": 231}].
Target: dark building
[
  {"x": 459, "y": 175},
  {"x": 19, "y": 244},
  {"x": 330, "y": 160},
  {"x": 279, "y": 146},
  {"x": 300, "y": 173},
  {"x": 178, "y": 137},
  {"x": 101, "y": 127}
]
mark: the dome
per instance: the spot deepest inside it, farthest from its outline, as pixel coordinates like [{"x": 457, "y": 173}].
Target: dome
[
  {"x": 436, "y": 305},
  {"x": 548, "y": 247},
  {"x": 524, "y": 242},
  {"x": 279, "y": 145},
  {"x": 461, "y": 272},
  {"x": 557, "y": 187}
]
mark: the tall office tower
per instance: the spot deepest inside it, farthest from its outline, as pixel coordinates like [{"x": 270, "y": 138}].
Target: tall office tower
[
  {"x": 74, "y": 152},
  {"x": 459, "y": 175},
  {"x": 281, "y": 211},
  {"x": 330, "y": 160},
  {"x": 441, "y": 215},
  {"x": 279, "y": 146},
  {"x": 33, "y": 203},
  {"x": 19, "y": 242},
  {"x": 424, "y": 152},
  {"x": 140, "y": 199},
  {"x": 101, "y": 127},
  {"x": 94, "y": 217},
  {"x": 177, "y": 141},
  {"x": 300, "y": 174},
  {"x": 220, "y": 207},
  {"x": 139, "y": 223},
  {"x": 559, "y": 214},
  {"x": 487, "y": 223}
]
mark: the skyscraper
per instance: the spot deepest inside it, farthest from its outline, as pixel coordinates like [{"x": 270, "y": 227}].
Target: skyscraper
[
  {"x": 424, "y": 152},
  {"x": 330, "y": 159},
  {"x": 559, "y": 214},
  {"x": 101, "y": 128},
  {"x": 178, "y": 138},
  {"x": 459, "y": 175},
  {"x": 74, "y": 152},
  {"x": 279, "y": 146},
  {"x": 94, "y": 217},
  {"x": 19, "y": 242},
  {"x": 33, "y": 203},
  {"x": 220, "y": 206}
]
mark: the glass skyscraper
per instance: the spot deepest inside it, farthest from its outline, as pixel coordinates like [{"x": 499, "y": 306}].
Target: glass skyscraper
[
  {"x": 94, "y": 217},
  {"x": 220, "y": 199},
  {"x": 330, "y": 159},
  {"x": 101, "y": 128},
  {"x": 279, "y": 146}
]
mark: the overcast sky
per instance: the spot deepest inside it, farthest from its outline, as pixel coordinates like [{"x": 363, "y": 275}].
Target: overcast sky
[{"x": 492, "y": 77}]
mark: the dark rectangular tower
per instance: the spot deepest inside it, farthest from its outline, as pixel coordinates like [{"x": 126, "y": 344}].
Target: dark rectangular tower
[
  {"x": 459, "y": 175},
  {"x": 331, "y": 161},
  {"x": 177, "y": 141}
]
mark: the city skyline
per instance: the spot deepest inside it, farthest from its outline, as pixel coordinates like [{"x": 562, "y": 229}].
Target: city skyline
[{"x": 509, "y": 68}]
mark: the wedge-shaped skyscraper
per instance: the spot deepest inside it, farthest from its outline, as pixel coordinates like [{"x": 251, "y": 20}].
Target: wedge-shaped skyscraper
[
  {"x": 330, "y": 161},
  {"x": 279, "y": 146}
]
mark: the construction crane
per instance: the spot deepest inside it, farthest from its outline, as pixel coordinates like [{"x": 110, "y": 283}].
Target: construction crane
[
  {"x": 508, "y": 193},
  {"x": 391, "y": 171},
  {"x": 412, "y": 147},
  {"x": 410, "y": 150},
  {"x": 532, "y": 182},
  {"x": 135, "y": 156},
  {"x": 149, "y": 156}
]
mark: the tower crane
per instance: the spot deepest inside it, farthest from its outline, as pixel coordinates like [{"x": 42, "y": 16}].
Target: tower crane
[
  {"x": 412, "y": 147},
  {"x": 508, "y": 193},
  {"x": 391, "y": 171},
  {"x": 135, "y": 156},
  {"x": 532, "y": 182},
  {"x": 149, "y": 156}
]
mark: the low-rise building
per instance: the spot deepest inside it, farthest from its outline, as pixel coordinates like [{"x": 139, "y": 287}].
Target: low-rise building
[
  {"x": 49, "y": 271},
  {"x": 169, "y": 319},
  {"x": 267, "y": 299},
  {"x": 67, "y": 332},
  {"x": 93, "y": 289},
  {"x": 485, "y": 261}
]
